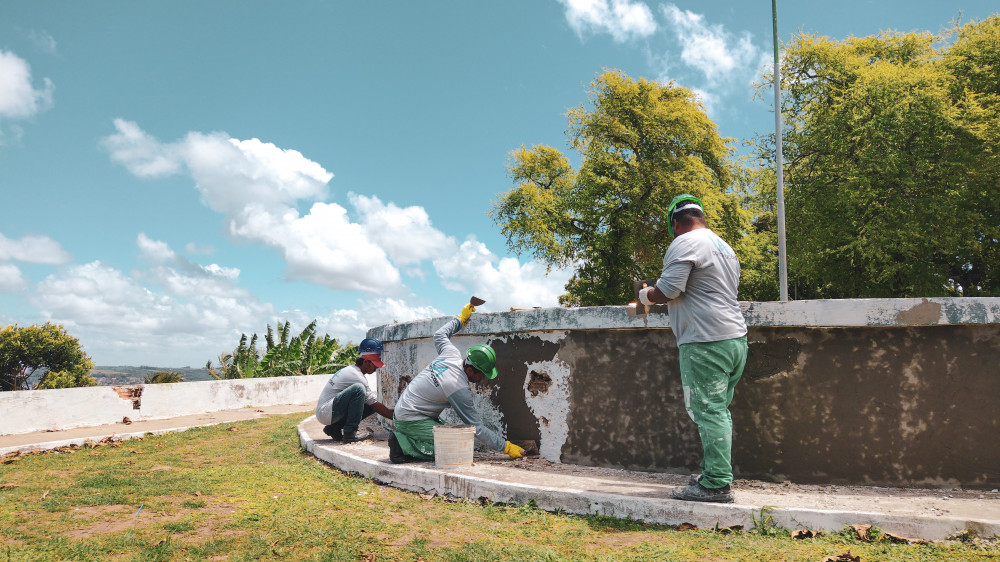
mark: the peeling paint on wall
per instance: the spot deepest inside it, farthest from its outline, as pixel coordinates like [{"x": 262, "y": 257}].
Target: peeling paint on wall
[
  {"x": 133, "y": 393},
  {"x": 924, "y": 313},
  {"x": 547, "y": 396}
]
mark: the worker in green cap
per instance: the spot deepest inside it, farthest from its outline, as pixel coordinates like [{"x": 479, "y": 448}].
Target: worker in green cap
[
  {"x": 443, "y": 383},
  {"x": 699, "y": 282}
]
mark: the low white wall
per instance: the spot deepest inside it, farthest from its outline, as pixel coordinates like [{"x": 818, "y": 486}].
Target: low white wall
[{"x": 39, "y": 410}]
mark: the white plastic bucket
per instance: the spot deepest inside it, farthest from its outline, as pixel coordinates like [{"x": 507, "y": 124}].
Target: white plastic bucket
[{"x": 453, "y": 445}]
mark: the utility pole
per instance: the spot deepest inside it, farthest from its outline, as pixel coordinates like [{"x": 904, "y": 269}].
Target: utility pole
[{"x": 779, "y": 162}]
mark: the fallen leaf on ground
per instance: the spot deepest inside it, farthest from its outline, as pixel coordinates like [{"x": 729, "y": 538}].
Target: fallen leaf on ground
[
  {"x": 805, "y": 534},
  {"x": 126, "y": 420},
  {"x": 44, "y": 495},
  {"x": 862, "y": 531},
  {"x": 903, "y": 540},
  {"x": 845, "y": 557},
  {"x": 8, "y": 486},
  {"x": 687, "y": 527}
]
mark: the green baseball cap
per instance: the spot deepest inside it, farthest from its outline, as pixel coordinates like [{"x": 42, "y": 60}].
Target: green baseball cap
[{"x": 484, "y": 359}]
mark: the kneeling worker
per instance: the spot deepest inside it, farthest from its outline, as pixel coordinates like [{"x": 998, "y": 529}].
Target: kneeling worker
[
  {"x": 347, "y": 399},
  {"x": 443, "y": 383}
]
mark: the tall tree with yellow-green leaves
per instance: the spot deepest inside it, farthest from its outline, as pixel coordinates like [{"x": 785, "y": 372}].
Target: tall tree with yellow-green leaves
[
  {"x": 891, "y": 172},
  {"x": 46, "y": 350},
  {"x": 641, "y": 143}
]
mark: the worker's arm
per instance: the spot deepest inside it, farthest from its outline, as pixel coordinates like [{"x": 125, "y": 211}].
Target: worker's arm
[
  {"x": 442, "y": 337},
  {"x": 461, "y": 402},
  {"x": 381, "y": 410}
]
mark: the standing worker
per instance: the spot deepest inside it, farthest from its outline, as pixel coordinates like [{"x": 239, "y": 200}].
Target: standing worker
[
  {"x": 701, "y": 275},
  {"x": 346, "y": 398},
  {"x": 445, "y": 382}
]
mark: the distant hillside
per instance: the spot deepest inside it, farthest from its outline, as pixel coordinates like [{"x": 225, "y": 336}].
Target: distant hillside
[{"x": 123, "y": 374}]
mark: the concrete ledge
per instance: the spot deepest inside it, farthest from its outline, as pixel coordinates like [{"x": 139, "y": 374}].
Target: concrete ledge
[
  {"x": 806, "y": 313},
  {"x": 644, "y": 501},
  {"x": 26, "y": 411}
]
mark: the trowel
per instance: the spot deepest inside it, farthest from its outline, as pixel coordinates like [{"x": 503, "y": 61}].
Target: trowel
[{"x": 476, "y": 301}]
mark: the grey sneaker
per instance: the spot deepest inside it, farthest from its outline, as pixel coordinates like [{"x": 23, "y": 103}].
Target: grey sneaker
[{"x": 699, "y": 493}]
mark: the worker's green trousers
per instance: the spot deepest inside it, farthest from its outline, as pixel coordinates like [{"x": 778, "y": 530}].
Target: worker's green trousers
[
  {"x": 709, "y": 373},
  {"x": 416, "y": 438}
]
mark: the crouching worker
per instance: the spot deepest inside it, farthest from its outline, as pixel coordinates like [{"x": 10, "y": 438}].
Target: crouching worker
[
  {"x": 346, "y": 398},
  {"x": 445, "y": 382}
]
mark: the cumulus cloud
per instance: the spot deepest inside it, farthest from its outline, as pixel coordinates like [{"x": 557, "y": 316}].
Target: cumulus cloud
[
  {"x": 175, "y": 313},
  {"x": 505, "y": 282},
  {"x": 19, "y": 99},
  {"x": 709, "y": 48},
  {"x": 256, "y": 186},
  {"x": 405, "y": 234},
  {"x": 622, "y": 19},
  {"x": 33, "y": 249},
  {"x": 11, "y": 278}
]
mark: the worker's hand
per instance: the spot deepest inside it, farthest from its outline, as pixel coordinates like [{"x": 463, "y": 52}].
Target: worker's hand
[
  {"x": 644, "y": 295},
  {"x": 467, "y": 311},
  {"x": 513, "y": 451}
]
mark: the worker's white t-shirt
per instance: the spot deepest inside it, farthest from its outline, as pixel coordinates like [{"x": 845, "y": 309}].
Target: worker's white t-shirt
[{"x": 701, "y": 273}]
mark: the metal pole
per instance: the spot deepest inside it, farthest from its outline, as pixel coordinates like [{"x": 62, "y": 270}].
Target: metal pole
[{"x": 779, "y": 162}]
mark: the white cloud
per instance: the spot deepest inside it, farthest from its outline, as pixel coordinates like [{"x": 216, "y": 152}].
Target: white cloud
[
  {"x": 11, "y": 278},
  {"x": 256, "y": 185},
  {"x": 405, "y": 234},
  {"x": 194, "y": 317},
  {"x": 33, "y": 249},
  {"x": 622, "y": 19},
  {"x": 44, "y": 41},
  {"x": 18, "y": 98},
  {"x": 711, "y": 49},
  {"x": 503, "y": 282}
]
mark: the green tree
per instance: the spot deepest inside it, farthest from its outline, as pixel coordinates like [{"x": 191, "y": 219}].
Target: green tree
[
  {"x": 285, "y": 354},
  {"x": 641, "y": 143},
  {"x": 242, "y": 363},
  {"x": 163, "y": 377},
  {"x": 46, "y": 350},
  {"x": 891, "y": 186}
]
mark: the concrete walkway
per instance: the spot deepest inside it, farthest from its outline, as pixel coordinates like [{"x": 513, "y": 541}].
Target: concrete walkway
[
  {"x": 911, "y": 513},
  {"x": 44, "y": 440}
]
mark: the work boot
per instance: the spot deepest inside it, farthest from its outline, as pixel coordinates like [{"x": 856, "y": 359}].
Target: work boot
[
  {"x": 333, "y": 432},
  {"x": 350, "y": 437},
  {"x": 396, "y": 454},
  {"x": 695, "y": 478},
  {"x": 699, "y": 493}
]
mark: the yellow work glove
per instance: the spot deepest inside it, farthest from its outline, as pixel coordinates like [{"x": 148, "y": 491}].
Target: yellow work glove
[
  {"x": 513, "y": 451},
  {"x": 467, "y": 311}
]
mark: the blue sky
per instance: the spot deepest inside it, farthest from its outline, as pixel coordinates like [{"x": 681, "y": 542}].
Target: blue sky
[{"x": 176, "y": 173}]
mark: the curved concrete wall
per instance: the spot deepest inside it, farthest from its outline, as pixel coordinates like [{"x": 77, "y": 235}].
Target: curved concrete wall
[
  {"x": 882, "y": 392},
  {"x": 25, "y": 411}
]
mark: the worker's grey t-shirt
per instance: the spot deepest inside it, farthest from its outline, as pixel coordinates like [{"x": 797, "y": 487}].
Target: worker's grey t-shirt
[
  {"x": 338, "y": 383},
  {"x": 441, "y": 384},
  {"x": 701, "y": 273}
]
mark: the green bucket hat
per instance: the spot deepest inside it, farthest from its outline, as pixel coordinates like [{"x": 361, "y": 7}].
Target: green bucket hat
[{"x": 484, "y": 359}]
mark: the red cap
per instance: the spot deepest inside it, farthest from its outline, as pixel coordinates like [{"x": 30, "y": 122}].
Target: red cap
[{"x": 375, "y": 358}]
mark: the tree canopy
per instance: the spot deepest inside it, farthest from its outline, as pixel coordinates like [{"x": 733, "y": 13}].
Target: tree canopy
[
  {"x": 891, "y": 177},
  {"x": 46, "y": 350},
  {"x": 641, "y": 143}
]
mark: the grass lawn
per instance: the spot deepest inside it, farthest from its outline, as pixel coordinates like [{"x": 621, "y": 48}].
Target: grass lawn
[{"x": 246, "y": 491}]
